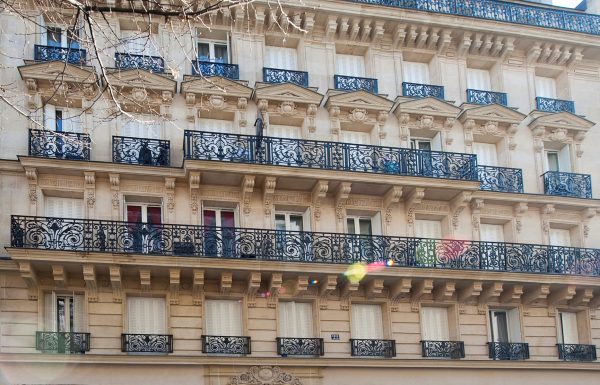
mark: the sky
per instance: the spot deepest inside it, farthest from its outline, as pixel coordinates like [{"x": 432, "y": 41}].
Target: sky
[{"x": 566, "y": 3}]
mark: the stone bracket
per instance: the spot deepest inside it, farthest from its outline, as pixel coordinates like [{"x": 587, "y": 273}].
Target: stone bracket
[
  {"x": 254, "y": 279},
  {"x": 197, "y": 286},
  {"x": 115, "y": 280},
  {"x": 174, "y": 283},
  {"x": 325, "y": 289},
  {"x": 91, "y": 285}
]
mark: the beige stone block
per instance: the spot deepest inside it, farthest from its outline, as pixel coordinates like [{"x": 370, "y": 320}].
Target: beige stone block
[
  {"x": 475, "y": 340},
  {"x": 344, "y": 336},
  {"x": 334, "y": 315},
  {"x": 186, "y": 333},
  {"x": 18, "y": 329},
  {"x": 541, "y": 341},
  {"x": 19, "y": 305},
  {"x": 104, "y": 308},
  {"x": 473, "y": 330},
  {"x": 411, "y": 328},
  {"x": 13, "y": 280},
  {"x": 19, "y": 341},
  {"x": 185, "y": 311},
  {"x": 539, "y": 331},
  {"x": 256, "y": 324},
  {"x": 407, "y": 338},
  {"x": 414, "y": 349},
  {"x": 105, "y": 320},
  {"x": 261, "y": 313},
  {"x": 185, "y": 322},
  {"x": 263, "y": 335},
  {"x": 335, "y": 326},
  {"x": 264, "y": 346},
  {"x": 16, "y": 293},
  {"x": 539, "y": 321},
  {"x": 105, "y": 343},
  {"x": 472, "y": 319},
  {"x": 405, "y": 317},
  {"x": 19, "y": 317},
  {"x": 337, "y": 347},
  {"x": 106, "y": 331},
  {"x": 187, "y": 345},
  {"x": 115, "y": 351}
]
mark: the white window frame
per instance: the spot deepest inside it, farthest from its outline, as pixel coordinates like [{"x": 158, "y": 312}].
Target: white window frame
[
  {"x": 218, "y": 211},
  {"x": 415, "y": 143},
  {"x": 145, "y": 207},
  {"x": 561, "y": 327},
  {"x": 356, "y": 219},
  {"x": 64, "y": 34},
  {"x": 51, "y": 312},
  {"x": 309, "y": 332},
  {"x": 513, "y": 325},
  {"x": 426, "y": 324},
  {"x": 211, "y": 48}
]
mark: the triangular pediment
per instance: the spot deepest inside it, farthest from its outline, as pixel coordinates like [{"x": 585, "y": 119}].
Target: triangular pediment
[
  {"x": 288, "y": 92},
  {"x": 564, "y": 120},
  {"x": 359, "y": 99},
  {"x": 135, "y": 78},
  {"x": 427, "y": 106},
  {"x": 58, "y": 70},
  {"x": 491, "y": 112},
  {"x": 215, "y": 85}
]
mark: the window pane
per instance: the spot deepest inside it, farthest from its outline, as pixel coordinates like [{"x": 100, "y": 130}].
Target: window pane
[
  {"x": 210, "y": 218},
  {"x": 134, "y": 213},
  {"x": 350, "y": 225},
  {"x": 296, "y": 223},
  {"x": 53, "y": 36},
  {"x": 365, "y": 227},
  {"x": 279, "y": 221},
  {"x": 154, "y": 215},
  {"x": 203, "y": 51},
  {"x": 501, "y": 323},
  {"x": 227, "y": 219},
  {"x": 221, "y": 53},
  {"x": 552, "y": 161},
  {"x": 59, "y": 121},
  {"x": 73, "y": 38},
  {"x": 61, "y": 314}
]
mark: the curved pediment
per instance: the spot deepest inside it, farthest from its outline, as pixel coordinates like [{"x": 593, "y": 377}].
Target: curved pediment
[
  {"x": 358, "y": 99},
  {"x": 137, "y": 78},
  {"x": 58, "y": 70},
  {"x": 562, "y": 120},
  {"x": 287, "y": 92},
  {"x": 426, "y": 106},
  {"x": 490, "y": 112},
  {"x": 215, "y": 85}
]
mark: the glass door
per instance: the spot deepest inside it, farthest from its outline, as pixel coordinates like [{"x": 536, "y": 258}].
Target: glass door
[
  {"x": 145, "y": 227},
  {"x": 219, "y": 233}
]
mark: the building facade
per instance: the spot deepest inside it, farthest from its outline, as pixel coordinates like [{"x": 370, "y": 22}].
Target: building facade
[{"x": 317, "y": 193}]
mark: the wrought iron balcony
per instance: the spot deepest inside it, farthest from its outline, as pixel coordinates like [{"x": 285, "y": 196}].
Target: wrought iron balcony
[
  {"x": 59, "y": 145},
  {"x": 208, "y": 68},
  {"x": 146, "y": 152},
  {"x": 148, "y": 63},
  {"x": 576, "y": 352},
  {"x": 416, "y": 90},
  {"x": 354, "y": 83},
  {"x": 328, "y": 155},
  {"x": 503, "y": 11},
  {"x": 226, "y": 345},
  {"x": 503, "y": 179},
  {"x": 372, "y": 348},
  {"x": 275, "y": 75},
  {"x": 508, "y": 350},
  {"x": 554, "y": 105},
  {"x": 443, "y": 349},
  {"x": 486, "y": 97},
  {"x": 300, "y": 346},
  {"x": 50, "y": 53},
  {"x": 567, "y": 184},
  {"x": 86, "y": 235},
  {"x": 62, "y": 342},
  {"x": 147, "y": 343}
]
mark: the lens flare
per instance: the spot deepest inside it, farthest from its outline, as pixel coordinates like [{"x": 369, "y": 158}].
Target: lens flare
[{"x": 356, "y": 272}]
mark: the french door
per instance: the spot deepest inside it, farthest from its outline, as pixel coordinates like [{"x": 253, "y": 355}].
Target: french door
[
  {"x": 145, "y": 230},
  {"x": 219, "y": 232}
]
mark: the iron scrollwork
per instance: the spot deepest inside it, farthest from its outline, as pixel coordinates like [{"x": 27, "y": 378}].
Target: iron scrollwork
[
  {"x": 143, "y": 62},
  {"x": 354, "y": 83},
  {"x": 59, "y": 145},
  {"x": 417, "y": 90},
  {"x": 554, "y": 105},
  {"x": 62, "y": 342},
  {"x": 147, "y": 343},
  {"x": 567, "y": 184},
  {"x": 486, "y": 97},
  {"x": 207, "y": 68},
  {"x": 300, "y": 346},
  {"x": 147, "y": 152},
  {"x": 576, "y": 352},
  {"x": 372, "y": 348},
  {"x": 508, "y": 350},
  {"x": 276, "y": 75},
  {"x": 503, "y": 179},
  {"x": 225, "y": 344},
  {"x": 69, "y": 54},
  {"x": 443, "y": 349}
]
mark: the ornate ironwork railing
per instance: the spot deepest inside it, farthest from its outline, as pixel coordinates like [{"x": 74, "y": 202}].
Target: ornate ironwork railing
[
  {"x": 300, "y": 346},
  {"x": 276, "y": 75},
  {"x": 486, "y": 97},
  {"x": 208, "y": 68},
  {"x": 503, "y": 179},
  {"x": 354, "y": 83},
  {"x": 416, "y": 90},
  {"x": 59, "y": 145},
  {"x": 62, "y": 342},
  {"x": 49, "y": 53},
  {"x": 147, "y": 343},
  {"x": 372, "y": 348},
  {"x": 554, "y": 105},
  {"x": 503, "y": 11},
  {"x": 567, "y": 184},
  {"x": 147, "y": 152},
  {"x": 142, "y": 62},
  {"x": 86, "y": 235},
  {"x": 576, "y": 352},
  {"x": 328, "y": 155},
  {"x": 225, "y": 345},
  {"x": 443, "y": 349},
  {"x": 508, "y": 350}
]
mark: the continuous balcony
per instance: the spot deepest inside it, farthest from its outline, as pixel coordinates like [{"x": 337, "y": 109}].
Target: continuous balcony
[
  {"x": 328, "y": 155},
  {"x": 416, "y": 90},
  {"x": 443, "y": 349},
  {"x": 59, "y": 145},
  {"x": 208, "y": 68},
  {"x": 147, "y": 343},
  {"x": 129, "y": 61},
  {"x": 49, "y": 53},
  {"x": 372, "y": 348},
  {"x": 354, "y": 83},
  {"x": 86, "y": 235},
  {"x": 554, "y": 105},
  {"x": 62, "y": 342},
  {"x": 146, "y": 152},
  {"x": 508, "y": 351},
  {"x": 276, "y": 75},
  {"x": 576, "y": 352},
  {"x": 300, "y": 346},
  {"x": 567, "y": 184},
  {"x": 226, "y": 345},
  {"x": 502, "y": 179},
  {"x": 486, "y": 97}
]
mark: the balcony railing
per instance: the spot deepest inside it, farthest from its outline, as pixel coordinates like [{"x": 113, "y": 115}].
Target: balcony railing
[
  {"x": 554, "y": 105},
  {"x": 576, "y": 352},
  {"x": 443, "y": 349},
  {"x": 354, "y": 83},
  {"x": 328, "y": 155},
  {"x": 142, "y": 62},
  {"x": 508, "y": 351},
  {"x": 372, "y": 348},
  {"x": 486, "y": 97},
  {"x": 503, "y": 11},
  {"x": 62, "y": 342},
  {"x": 226, "y": 345},
  {"x": 49, "y": 53},
  {"x": 146, "y": 152},
  {"x": 59, "y": 145},
  {"x": 503, "y": 179},
  {"x": 86, "y": 235},
  {"x": 416, "y": 90},
  {"x": 567, "y": 184},
  {"x": 276, "y": 75},
  {"x": 300, "y": 346},
  {"x": 147, "y": 343},
  {"x": 207, "y": 68}
]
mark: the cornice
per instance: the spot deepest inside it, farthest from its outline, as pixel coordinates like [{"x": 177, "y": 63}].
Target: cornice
[{"x": 538, "y": 200}]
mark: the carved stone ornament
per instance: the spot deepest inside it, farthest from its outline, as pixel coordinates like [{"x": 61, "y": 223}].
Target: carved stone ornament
[
  {"x": 265, "y": 375},
  {"x": 217, "y": 102},
  {"x": 139, "y": 94},
  {"x": 287, "y": 108},
  {"x": 358, "y": 115}
]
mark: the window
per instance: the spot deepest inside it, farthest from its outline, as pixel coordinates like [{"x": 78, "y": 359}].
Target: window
[
  {"x": 56, "y": 207},
  {"x": 62, "y": 37},
  {"x": 283, "y": 131},
  {"x": 558, "y": 160},
  {"x": 350, "y": 65},
  {"x": 223, "y": 318},
  {"x": 63, "y": 312},
  {"x": 62, "y": 119},
  {"x": 434, "y": 324},
  {"x": 486, "y": 154},
  {"x": 491, "y": 233},
  {"x": 296, "y": 319},
  {"x": 144, "y": 213},
  {"x": 146, "y": 238},
  {"x": 141, "y": 126},
  {"x": 478, "y": 79},
  {"x": 367, "y": 322},
  {"x": 560, "y": 237},
  {"x": 428, "y": 228},
  {"x": 139, "y": 43},
  {"x": 505, "y": 325},
  {"x": 146, "y": 315},
  {"x": 356, "y": 137},
  {"x": 281, "y": 58},
  {"x": 568, "y": 331},
  {"x": 415, "y": 72},
  {"x": 359, "y": 225},
  {"x": 213, "y": 51},
  {"x": 289, "y": 221},
  {"x": 545, "y": 87},
  {"x": 215, "y": 125},
  {"x": 219, "y": 233},
  {"x": 420, "y": 144}
]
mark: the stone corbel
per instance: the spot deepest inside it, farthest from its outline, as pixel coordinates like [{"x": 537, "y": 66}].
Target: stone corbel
[
  {"x": 374, "y": 288},
  {"x": 547, "y": 210},
  {"x": 489, "y": 293},
  {"x": 457, "y": 205},
  {"x": 145, "y": 280},
  {"x": 300, "y": 285},
  {"x": 444, "y": 292},
  {"x": 559, "y": 296},
  {"x": 464, "y": 45},
  {"x": 582, "y": 298},
  {"x": 91, "y": 283},
  {"x": 420, "y": 289},
  {"x": 326, "y": 287},
  {"x": 413, "y": 200},
  {"x": 378, "y": 32},
  {"x": 448, "y": 124},
  {"x": 469, "y": 294},
  {"x": 192, "y": 112},
  {"x": 115, "y": 281},
  {"x": 577, "y": 140},
  {"x": 174, "y": 283},
  {"x": 268, "y": 192},
  {"x": 391, "y": 198},
  {"x": 346, "y": 291},
  {"x": 469, "y": 127},
  {"x": 225, "y": 283},
  {"x": 400, "y": 291},
  {"x": 170, "y": 191},
  {"x": 259, "y": 19},
  {"x": 32, "y": 179},
  {"x": 576, "y": 57},
  {"x": 512, "y": 295},
  {"x": 29, "y": 275},
  {"x": 60, "y": 276},
  {"x": 476, "y": 207},
  {"x": 587, "y": 215},
  {"x": 382, "y": 117},
  {"x": 90, "y": 191},
  {"x": 197, "y": 287},
  {"x": 275, "y": 282},
  {"x": 115, "y": 196},
  {"x": 247, "y": 188},
  {"x": 319, "y": 193},
  {"x": 334, "y": 118},
  {"x": 519, "y": 210},
  {"x": 254, "y": 279},
  {"x": 341, "y": 197},
  {"x": 331, "y": 27},
  {"x": 311, "y": 118},
  {"x": 263, "y": 109},
  {"x": 511, "y": 132},
  {"x": 194, "y": 182},
  {"x": 165, "y": 105},
  {"x": 404, "y": 119},
  {"x": 242, "y": 105},
  {"x": 535, "y": 295},
  {"x": 594, "y": 305}
]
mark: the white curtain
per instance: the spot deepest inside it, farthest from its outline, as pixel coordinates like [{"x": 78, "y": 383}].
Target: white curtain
[
  {"x": 560, "y": 237},
  {"x": 478, "y": 79},
  {"x": 146, "y": 315},
  {"x": 350, "y": 65},
  {"x": 215, "y": 125},
  {"x": 141, "y": 126},
  {"x": 545, "y": 87},
  {"x": 435, "y": 323},
  {"x": 223, "y": 318},
  {"x": 414, "y": 72},
  {"x": 295, "y": 320},
  {"x": 568, "y": 330},
  {"x": 63, "y": 207},
  {"x": 356, "y": 137},
  {"x": 367, "y": 322},
  {"x": 491, "y": 233},
  {"x": 486, "y": 154},
  {"x": 281, "y": 58},
  {"x": 428, "y": 228},
  {"x": 283, "y": 131}
]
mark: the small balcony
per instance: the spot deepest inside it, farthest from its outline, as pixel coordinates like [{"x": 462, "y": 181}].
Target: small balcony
[
  {"x": 49, "y": 53},
  {"x": 300, "y": 346},
  {"x": 508, "y": 351},
  {"x": 486, "y": 97},
  {"x": 576, "y": 352},
  {"x": 59, "y": 145},
  {"x": 554, "y": 105},
  {"x": 62, "y": 342},
  {"x": 145, "y": 152},
  {"x": 147, "y": 343},
  {"x": 567, "y": 184},
  {"x": 127, "y": 61},
  {"x": 208, "y": 68},
  {"x": 226, "y": 345},
  {"x": 372, "y": 348},
  {"x": 275, "y": 75},
  {"x": 443, "y": 349},
  {"x": 502, "y": 179},
  {"x": 416, "y": 90},
  {"x": 354, "y": 83}
]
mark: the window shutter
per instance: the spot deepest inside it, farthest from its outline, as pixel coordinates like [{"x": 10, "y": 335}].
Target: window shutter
[
  {"x": 428, "y": 228},
  {"x": 491, "y": 233},
  {"x": 281, "y": 58},
  {"x": 486, "y": 154},
  {"x": 569, "y": 331},
  {"x": 367, "y": 321},
  {"x": 560, "y": 237},
  {"x": 435, "y": 323},
  {"x": 215, "y": 125},
  {"x": 514, "y": 325},
  {"x": 356, "y": 137},
  {"x": 50, "y": 312},
  {"x": 79, "y": 313},
  {"x": 350, "y": 65},
  {"x": 306, "y": 220},
  {"x": 223, "y": 318},
  {"x": 564, "y": 159},
  {"x": 436, "y": 142},
  {"x": 50, "y": 117},
  {"x": 478, "y": 79},
  {"x": 415, "y": 72},
  {"x": 545, "y": 87}
]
